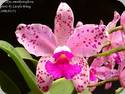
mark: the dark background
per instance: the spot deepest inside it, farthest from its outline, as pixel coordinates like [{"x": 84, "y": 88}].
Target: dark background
[{"x": 43, "y": 11}]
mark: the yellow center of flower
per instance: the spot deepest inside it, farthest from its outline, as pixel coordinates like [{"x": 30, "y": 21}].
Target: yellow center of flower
[{"x": 63, "y": 56}]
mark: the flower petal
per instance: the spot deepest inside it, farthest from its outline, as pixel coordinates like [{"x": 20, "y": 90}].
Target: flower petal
[
  {"x": 36, "y": 38},
  {"x": 113, "y": 23},
  {"x": 44, "y": 79},
  {"x": 79, "y": 23},
  {"x": 63, "y": 23},
  {"x": 92, "y": 74},
  {"x": 108, "y": 85},
  {"x": 97, "y": 62},
  {"x": 81, "y": 80},
  {"x": 104, "y": 73},
  {"x": 93, "y": 83},
  {"x": 122, "y": 78},
  {"x": 117, "y": 39},
  {"x": 122, "y": 21},
  {"x": 88, "y": 40}
]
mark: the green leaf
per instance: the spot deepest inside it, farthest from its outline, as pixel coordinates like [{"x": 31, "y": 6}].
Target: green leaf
[
  {"x": 25, "y": 55},
  {"x": 8, "y": 85},
  {"x": 23, "y": 68},
  {"x": 61, "y": 86}
]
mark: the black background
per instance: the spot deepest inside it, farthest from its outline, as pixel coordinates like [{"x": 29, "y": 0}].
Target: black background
[{"x": 43, "y": 11}]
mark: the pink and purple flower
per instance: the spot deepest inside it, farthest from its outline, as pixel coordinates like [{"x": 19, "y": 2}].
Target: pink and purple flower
[{"x": 62, "y": 52}]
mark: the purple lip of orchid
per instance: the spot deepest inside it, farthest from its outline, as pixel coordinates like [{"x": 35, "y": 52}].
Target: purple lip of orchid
[{"x": 62, "y": 65}]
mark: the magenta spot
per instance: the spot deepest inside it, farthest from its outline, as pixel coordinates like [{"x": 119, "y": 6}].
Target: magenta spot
[
  {"x": 84, "y": 41},
  {"x": 28, "y": 27},
  {"x": 92, "y": 74},
  {"x": 117, "y": 58},
  {"x": 103, "y": 29},
  {"x": 99, "y": 43},
  {"x": 78, "y": 35},
  {"x": 23, "y": 35},
  {"x": 94, "y": 46},
  {"x": 32, "y": 28},
  {"x": 37, "y": 36},
  {"x": 101, "y": 37},
  {"x": 86, "y": 45},
  {"x": 106, "y": 36},
  {"x": 19, "y": 28},
  {"x": 87, "y": 30},
  {"x": 92, "y": 31},
  {"x": 95, "y": 40},
  {"x": 100, "y": 34},
  {"x": 34, "y": 41},
  {"x": 64, "y": 21},
  {"x": 89, "y": 39},
  {"x": 85, "y": 82},
  {"x": 45, "y": 88},
  {"x": 95, "y": 37},
  {"x": 89, "y": 42}
]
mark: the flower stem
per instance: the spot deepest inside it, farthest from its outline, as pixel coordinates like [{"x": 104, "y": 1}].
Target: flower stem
[
  {"x": 114, "y": 50},
  {"x": 119, "y": 90},
  {"x": 103, "y": 82},
  {"x": 115, "y": 29}
]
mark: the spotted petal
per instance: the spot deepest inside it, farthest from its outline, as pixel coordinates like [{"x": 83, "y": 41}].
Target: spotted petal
[
  {"x": 81, "y": 80},
  {"x": 36, "y": 38},
  {"x": 97, "y": 62},
  {"x": 122, "y": 77},
  {"x": 88, "y": 40},
  {"x": 63, "y": 23},
  {"x": 44, "y": 79},
  {"x": 104, "y": 73}
]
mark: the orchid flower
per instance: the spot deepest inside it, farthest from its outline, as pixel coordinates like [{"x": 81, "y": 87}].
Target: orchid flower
[
  {"x": 62, "y": 52},
  {"x": 102, "y": 68},
  {"x": 122, "y": 54}
]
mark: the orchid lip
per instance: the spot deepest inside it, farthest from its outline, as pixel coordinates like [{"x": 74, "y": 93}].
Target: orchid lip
[{"x": 62, "y": 65}]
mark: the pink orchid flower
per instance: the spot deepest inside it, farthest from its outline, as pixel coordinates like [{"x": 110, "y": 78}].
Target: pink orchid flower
[
  {"x": 122, "y": 54},
  {"x": 102, "y": 68},
  {"x": 64, "y": 50}
]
